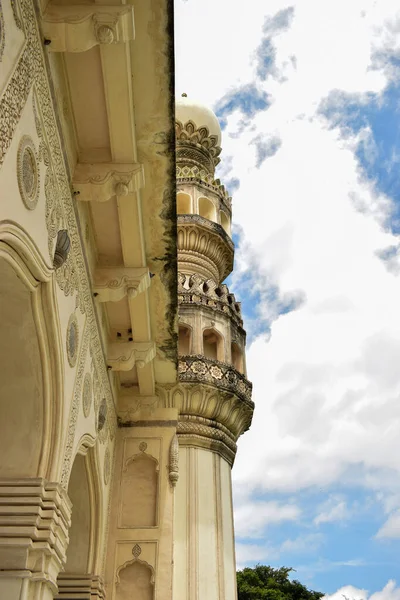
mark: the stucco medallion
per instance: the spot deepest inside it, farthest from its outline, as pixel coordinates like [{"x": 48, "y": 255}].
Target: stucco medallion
[
  {"x": 72, "y": 340},
  {"x": 87, "y": 394},
  {"x": 107, "y": 466},
  {"x": 28, "y": 171}
]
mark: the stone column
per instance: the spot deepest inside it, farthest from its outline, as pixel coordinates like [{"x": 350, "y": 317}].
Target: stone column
[
  {"x": 34, "y": 521},
  {"x": 204, "y": 553}
]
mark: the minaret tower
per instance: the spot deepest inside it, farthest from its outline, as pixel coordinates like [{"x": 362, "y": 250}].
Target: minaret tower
[{"x": 213, "y": 395}]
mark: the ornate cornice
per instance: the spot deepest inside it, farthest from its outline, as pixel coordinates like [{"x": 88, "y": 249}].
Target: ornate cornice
[
  {"x": 196, "y": 147},
  {"x": 204, "y": 246},
  {"x": 200, "y": 177},
  {"x": 198, "y": 368},
  {"x": 194, "y": 290}
]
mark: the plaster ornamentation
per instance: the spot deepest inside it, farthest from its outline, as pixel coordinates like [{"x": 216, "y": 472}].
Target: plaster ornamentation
[
  {"x": 101, "y": 182},
  {"x": 27, "y": 171},
  {"x": 113, "y": 283},
  {"x": 72, "y": 340},
  {"x": 87, "y": 394},
  {"x": 77, "y": 28},
  {"x": 194, "y": 175},
  {"x": 174, "y": 461},
  {"x": 62, "y": 248},
  {"x": 197, "y": 145},
  {"x": 123, "y": 356},
  {"x": 194, "y": 368},
  {"x": 194, "y": 290},
  {"x": 143, "y": 446},
  {"x": 136, "y": 551},
  {"x": 107, "y": 466},
  {"x": 2, "y": 32},
  {"x": 206, "y": 436},
  {"x": 102, "y": 429},
  {"x": 15, "y": 9},
  {"x": 204, "y": 244}
]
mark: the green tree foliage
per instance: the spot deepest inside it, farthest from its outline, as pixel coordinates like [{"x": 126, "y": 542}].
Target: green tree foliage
[{"x": 266, "y": 583}]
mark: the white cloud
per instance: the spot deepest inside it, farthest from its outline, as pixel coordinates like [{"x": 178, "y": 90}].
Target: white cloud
[
  {"x": 332, "y": 510},
  {"x": 391, "y": 527},
  {"x": 251, "y": 517},
  {"x": 389, "y": 592}
]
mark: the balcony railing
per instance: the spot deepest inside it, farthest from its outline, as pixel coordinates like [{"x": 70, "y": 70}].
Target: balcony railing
[{"x": 199, "y": 369}]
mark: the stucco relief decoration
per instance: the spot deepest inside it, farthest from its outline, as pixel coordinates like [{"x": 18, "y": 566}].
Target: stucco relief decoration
[
  {"x": 174, "y": 461},
  {"x": 136, "y": 551},
  {"x": 15, "y": 10},
  {"x": 142, "y": 446},
  {"x": 87, "y": 394},
  {"x": 28, "y": 172},
  {"x": 72, "y": 340},
  {"x": 2, "y": 32},
  {"x": 107, "y": 466}
]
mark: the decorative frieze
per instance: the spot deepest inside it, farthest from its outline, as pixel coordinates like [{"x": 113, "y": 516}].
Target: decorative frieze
[
  {"x": 114, "y": 283},
  {"x": 197, "y": 368},
  {"x": 77, "y": 28},
  {"x": 196, "y": 147},
  {"x": 123, "y": 356},
  {"x": 101, "y": 182},
  {"x": 193, "y": 174}
]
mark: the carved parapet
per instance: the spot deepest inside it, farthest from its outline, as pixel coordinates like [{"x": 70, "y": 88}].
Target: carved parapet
[
  {"x": 198, "y": 368},
  {"x": 111, "y": 284},
  {"x": 103, "y": 181},
  {"x": 204, "y": 247},
  {"x": 123, "y": 356},
  {"x": 35, "y": 516},
  {"x": 194, "y": 290},
  {"x": 77, "y": 28},
  {"x": 192, "y": 174}
]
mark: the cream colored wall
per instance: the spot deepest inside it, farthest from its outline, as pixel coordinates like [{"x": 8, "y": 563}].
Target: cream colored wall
[
  {"x": 149, "y": 545},
  {"x": 204, "y": 559},
  {"x": 196, "y": 193}
]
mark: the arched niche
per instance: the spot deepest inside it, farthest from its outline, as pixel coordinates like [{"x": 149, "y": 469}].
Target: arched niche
[
  {"x": 31, "y": 384},
  {"x": 139, "y": 492},
  {"x": 225, "y": 222},
  {"x": 237, "y": 357},
  {"x": 207, "y": 209},
  {"x": 213, "y": 345},
  {"x": 183, "y": 204},
  {"x": 78, "y": 553},
  {"x": 135, "y": 580},
  {"x": 185, "y": 340}
]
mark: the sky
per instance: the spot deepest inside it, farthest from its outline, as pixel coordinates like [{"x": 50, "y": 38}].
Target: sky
[{"x": 307, "y": 94}]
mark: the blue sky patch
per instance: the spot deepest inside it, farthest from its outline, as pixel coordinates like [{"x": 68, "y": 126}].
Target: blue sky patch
[{"x": 249, "y": 99}]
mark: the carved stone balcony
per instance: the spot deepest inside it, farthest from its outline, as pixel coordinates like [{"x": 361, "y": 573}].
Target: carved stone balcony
[
  {"x": 199, "y": 369},
  {"x": 204, "y": 247}
]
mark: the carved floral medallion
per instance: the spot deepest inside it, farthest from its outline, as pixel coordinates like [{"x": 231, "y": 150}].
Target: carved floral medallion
[
  {"x": 72, "y": 340},
  {"x": 87, "y": 394},
  {"x": 28, "y": 171}
]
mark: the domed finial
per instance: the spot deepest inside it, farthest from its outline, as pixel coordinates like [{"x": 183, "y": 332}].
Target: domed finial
[{"x": 184, "y": 95}]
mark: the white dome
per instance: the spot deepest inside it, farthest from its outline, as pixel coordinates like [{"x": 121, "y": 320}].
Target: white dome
[{"x": 189, "y": 110}]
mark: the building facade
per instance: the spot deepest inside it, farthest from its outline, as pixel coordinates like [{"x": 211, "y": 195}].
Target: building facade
[{"x": 122, "y": 370}]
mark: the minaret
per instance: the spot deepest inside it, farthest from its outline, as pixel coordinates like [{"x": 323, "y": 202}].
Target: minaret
[{"x": 213, "y": 395}]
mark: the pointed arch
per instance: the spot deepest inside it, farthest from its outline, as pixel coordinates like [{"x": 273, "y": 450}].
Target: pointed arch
[
  {"x": 184, "y": 340},
  {"x": 183, "y": 203},
  {"x": 213, "y": 344},
  {"x": 30, "y": 341},
  {"x": 207, "y": 209}
]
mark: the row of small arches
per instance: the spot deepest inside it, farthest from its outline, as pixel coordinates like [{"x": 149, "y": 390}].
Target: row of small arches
[
  {"x": 205, "y": 208},
  {"x": 212, "y": 346}
]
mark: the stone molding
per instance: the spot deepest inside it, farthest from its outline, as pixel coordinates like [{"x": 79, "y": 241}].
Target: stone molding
[
  {"x": 111, "y": 284},
  {"x": 77, "y": 28},
  {"x": 195, "y": 175},
  {"x": 123, "y": 356},
  {"x": 80, "y": 587},
  {"x": 100, "y": 182},
  {"x": 35, "y": 517},
  {"x": 197, "y": 291},
  {"x": 196, "y": 141},
  {"x": 197, "y": 368},
  {"x": 204, "y": 245},
  {"x": 206, "y": 433}
]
